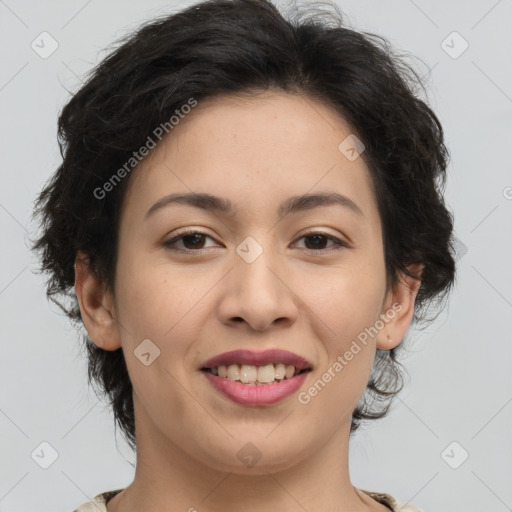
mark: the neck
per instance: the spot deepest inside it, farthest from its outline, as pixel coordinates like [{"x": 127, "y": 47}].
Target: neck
[{"x": 168, "y": 479}]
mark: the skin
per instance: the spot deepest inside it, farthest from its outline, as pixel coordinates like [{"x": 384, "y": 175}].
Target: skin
[{"x": 256, "y": 152}]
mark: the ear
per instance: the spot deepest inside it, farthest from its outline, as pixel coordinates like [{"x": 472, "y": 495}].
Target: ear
[
  {"x": 96, "y": 305},
  {"x": 398, "y": 309}
]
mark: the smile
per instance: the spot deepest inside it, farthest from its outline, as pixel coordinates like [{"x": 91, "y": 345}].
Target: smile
[{"x": 251, "y": 374}]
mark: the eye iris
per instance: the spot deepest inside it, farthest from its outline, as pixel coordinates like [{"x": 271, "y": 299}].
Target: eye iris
[
  {"x": 317, "y": 237},
  {"x": 196, "y": 237},
  {"x": 195, "y": 240}
]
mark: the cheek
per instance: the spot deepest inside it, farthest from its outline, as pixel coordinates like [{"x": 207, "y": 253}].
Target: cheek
[
  {"x": 151, "y": 297},
  {"x": 162, "y": 303},
  {"x": 347, "y": 304},
  {"x": 348, "y": 298},
  {"x": 347, "y": 314},
  {"x": 152, "y": 304}
]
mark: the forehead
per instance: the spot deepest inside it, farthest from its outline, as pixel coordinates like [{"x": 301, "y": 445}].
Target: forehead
[{"x": 253, "y": 150}]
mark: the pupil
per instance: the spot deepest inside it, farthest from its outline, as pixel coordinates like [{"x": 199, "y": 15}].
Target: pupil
[
  {"x": 318, "y": 238},
  {"x": 195, "y": 237}
]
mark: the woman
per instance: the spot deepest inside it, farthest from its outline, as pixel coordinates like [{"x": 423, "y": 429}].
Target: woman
[{"x": 247, "y": 219}]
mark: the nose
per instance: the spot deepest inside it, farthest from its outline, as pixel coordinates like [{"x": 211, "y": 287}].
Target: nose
[{"x": 259, "y": 294}]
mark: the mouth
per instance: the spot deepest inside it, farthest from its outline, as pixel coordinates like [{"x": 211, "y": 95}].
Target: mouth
[
  {"x": 260, "y": 368},
  {"x": 259, "y": 375}
]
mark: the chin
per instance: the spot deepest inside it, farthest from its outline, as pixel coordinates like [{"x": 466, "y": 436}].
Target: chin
[{"x": 245, "y": 457}]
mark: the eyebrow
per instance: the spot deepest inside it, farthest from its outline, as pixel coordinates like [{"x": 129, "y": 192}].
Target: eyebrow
[{"x": 291, "y": 205}]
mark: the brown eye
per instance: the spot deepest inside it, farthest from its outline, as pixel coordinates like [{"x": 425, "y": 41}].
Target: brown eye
[
  {"x": 318, "y": 241},
  {"x": 192, "y": 240}
]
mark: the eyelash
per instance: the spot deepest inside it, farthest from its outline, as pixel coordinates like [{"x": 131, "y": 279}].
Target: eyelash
[{"x": 339, "y": 244}]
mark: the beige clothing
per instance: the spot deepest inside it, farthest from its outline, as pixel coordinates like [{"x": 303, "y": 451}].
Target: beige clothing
[{"x": 98, "y": 503}]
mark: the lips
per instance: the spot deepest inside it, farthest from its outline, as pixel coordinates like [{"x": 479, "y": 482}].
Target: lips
[
  {"x": 250, "y": 395},
  {"x": 273, "y": 356}
]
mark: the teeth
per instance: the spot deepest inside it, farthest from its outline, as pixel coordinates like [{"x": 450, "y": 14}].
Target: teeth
[
  {"x": 290, "y": 370},
  {"x": 280, "y": 371},
  {"x": 233, "y": 372},
  {"x": 266, "y": 373},
  {"x": 250, "y": 374}
]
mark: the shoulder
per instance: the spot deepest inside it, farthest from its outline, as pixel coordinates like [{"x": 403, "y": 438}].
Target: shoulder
[
  {"x": 98, "y": 504},
  {"x": 390, "y": 502}
]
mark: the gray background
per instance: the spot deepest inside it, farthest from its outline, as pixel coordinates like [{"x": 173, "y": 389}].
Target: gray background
[{"x": 460, "y": 380}]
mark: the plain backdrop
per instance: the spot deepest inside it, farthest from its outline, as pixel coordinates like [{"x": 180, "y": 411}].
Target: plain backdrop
[{"x": 446, "y": 446}]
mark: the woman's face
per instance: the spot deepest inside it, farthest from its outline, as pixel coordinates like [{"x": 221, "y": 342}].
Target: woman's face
[{"x": 253, "y": 279}]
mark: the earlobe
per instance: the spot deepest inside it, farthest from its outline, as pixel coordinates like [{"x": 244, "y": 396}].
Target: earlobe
[
  {"x": 96, "y": 305},
  {"x": 399, "y": 309}
]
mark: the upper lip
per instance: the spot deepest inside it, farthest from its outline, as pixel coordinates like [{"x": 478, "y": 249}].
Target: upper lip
[{"x": 258, "y": 359}]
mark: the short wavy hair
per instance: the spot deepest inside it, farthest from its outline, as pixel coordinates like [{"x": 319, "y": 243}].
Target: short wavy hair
[{"x": 222, "y": 47}]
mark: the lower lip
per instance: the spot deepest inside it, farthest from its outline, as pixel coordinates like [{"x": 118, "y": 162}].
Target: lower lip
[{"x": 256, "y": 394}]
